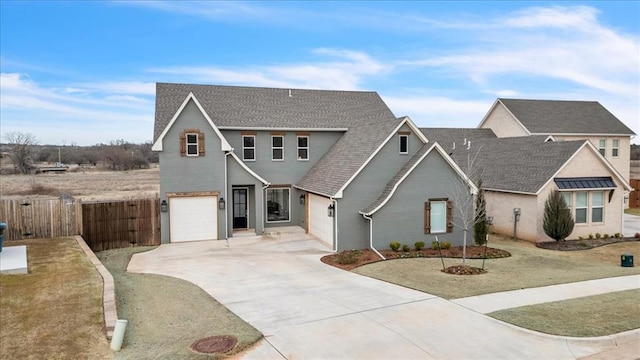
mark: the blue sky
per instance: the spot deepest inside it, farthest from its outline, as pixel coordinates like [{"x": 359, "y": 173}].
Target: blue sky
[{"x": 84, "y": 72}]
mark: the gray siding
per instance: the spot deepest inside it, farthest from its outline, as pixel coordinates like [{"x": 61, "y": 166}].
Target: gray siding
[
  {"x": 353, "y": 229},
  {"x": 289, "y": 171},
  {"x": 191, "y": 174},
  {"x": 402, "y": 217}
]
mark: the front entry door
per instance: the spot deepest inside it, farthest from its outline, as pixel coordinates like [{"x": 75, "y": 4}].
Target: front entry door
[{"x": 240, "y": 213}]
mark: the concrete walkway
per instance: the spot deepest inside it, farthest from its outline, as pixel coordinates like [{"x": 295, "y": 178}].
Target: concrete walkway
[{"x": 309, "y": 310}]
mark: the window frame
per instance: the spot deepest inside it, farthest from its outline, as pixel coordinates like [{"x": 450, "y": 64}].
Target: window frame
[
  {"x": 593, "y": 207},
  {"x": 184, "y": 143},
  {"x": 288, "y": 220},
  {"x": 244, "y": 147},
  {"x": 448, "y": 216},
  {"x": 406, "y": 137},
  {"x": 298, "y": 137},
  {"x": 615, "y": 148},
  {"x": 274, "y": 148},
  {"x": 602, "y": 147},
  {"x": 585, "y": 207},
  {"x": 191, "y": 145}
]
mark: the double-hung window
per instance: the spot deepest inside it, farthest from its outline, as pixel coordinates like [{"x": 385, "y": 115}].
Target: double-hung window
[
  {"x": 615, "y": 148},
  {"x": 277, "y": 147},
  {"x": 191, "y": 143},
  {"x": 581, "y": 207},
  {"x": 597, "y": 206},
  {"x": 586, "y": 206},
  {"x": 249, "y": 147},
  {"x": 303, "y": 147},
  {"x": 602, "y": 146}
]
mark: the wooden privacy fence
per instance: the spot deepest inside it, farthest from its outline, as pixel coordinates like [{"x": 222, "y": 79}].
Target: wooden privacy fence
[
  {"x": 40, "y": 218},
  {"x": 634, "y": 196},
  {"x": 118, "y": 224}
]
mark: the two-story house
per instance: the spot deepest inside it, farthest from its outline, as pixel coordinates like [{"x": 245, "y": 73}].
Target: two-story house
[
  {"x": 564, "y": 120},
  {"x": 336, "y": 163}
]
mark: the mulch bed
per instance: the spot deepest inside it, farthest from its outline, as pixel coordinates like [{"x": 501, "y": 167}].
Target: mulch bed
[
  {"x": 366, "y": 256},
  {"x": 586, "y": 244}
]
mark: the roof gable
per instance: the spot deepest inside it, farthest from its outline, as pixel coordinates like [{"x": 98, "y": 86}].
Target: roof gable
[
  {"x": 565, "y": 117},
  {"x": 157, "y": 145}
]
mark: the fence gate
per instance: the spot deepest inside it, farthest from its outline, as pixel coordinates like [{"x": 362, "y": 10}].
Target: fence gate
[
  {"x": 118, "y": 224},
  {"x": 40, "y": 218}
]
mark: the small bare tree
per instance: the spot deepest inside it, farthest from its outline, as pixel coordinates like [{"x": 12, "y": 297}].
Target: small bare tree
[
  {"x": 22, "y": 150},
  {"x": 463, "y": 197}
]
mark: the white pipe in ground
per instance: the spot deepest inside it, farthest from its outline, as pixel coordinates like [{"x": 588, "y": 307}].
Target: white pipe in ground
[{"x": 118, "y": 334}]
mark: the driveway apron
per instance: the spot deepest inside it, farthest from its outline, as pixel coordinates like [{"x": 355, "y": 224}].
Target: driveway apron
[{"x": 309, "y": 310}]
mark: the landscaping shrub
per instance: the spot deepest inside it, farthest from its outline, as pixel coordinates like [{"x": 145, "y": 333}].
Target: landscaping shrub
[
  {"x": 557, "y": 222},
  {"x": 434, "y": 245},
  {"x": 580, "y": 238},
  {"x": 394, "y": 245},
  {"x": 480, "y": 224},
  {"x": 348, "y": 256},
  {"x": 590, "y": 236},
  {"x": 598, "y": 236},
  {"x": 617, "y": 235},
  {"x": 446, "y": 244},
  {"x": 419, "y": 245},
  {"x": 406, "y": 248},
  {"x": 605, "y": 236}
]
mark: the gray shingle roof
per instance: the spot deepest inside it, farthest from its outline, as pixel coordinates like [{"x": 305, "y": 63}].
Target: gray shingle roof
[
  {"x": 386, "y": 192},
  {"x": 236, "y": 106},
  {"x": 349, "y": 153},
  {"x": 565, "y": 117},
  {"x": 519, "y": 164}
]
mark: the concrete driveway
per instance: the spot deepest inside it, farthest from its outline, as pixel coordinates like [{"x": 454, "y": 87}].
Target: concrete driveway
[
  {"x": 308, "y": 310},
  {"x": 631, "y": 225}
]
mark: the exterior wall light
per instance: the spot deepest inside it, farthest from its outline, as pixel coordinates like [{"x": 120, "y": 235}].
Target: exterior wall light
[
  {"x": 221, "y": 204},
  {"x": 489, "y": 220},
  {"x": 302, "y": 197},
  {"x": 331, "y": 210},
  {"x": 164, "y": 207}
]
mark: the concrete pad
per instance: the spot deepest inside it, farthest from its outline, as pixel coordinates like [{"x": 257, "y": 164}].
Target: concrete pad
[
  {"x": 631, "y": 225},
  {"x": 13, "y": 260},
  {"x": 488, "y": 303}
]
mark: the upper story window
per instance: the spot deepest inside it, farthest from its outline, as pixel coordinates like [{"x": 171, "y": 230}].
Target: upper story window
[
  {"x": 249, "y": 147},
  {"x": 191, "y": 143},
  {"x": 303, "y": 147},
  {"x": 277, "y": 147},
  {"x": 615, "y": 147},
  {"x": 404, "y": 144},
  {"x": 602, "y": 146}
]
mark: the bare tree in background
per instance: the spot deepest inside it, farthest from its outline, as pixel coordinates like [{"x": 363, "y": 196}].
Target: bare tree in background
[{"x": 22, "y": 150}]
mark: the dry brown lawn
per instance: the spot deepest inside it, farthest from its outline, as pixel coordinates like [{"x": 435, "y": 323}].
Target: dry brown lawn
[
  {"x": 87, "y": 185},
  {"x": 55, "y": 311},
  {"x": 528, "y": 267}
]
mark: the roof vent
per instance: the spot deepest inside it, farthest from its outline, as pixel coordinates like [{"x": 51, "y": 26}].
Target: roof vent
[
  {"x": 289, "y": 92},
  {"x": 469, "y": 145},
  {"x": 454, "y": 146}
]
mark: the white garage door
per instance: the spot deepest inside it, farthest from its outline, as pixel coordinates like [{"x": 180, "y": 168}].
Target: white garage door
[
  {"x": 320, "y": 224},
  {"x": 193, "y": 218}
]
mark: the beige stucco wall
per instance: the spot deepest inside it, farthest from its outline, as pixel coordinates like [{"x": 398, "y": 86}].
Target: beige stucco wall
[
  {"x": 621, "y": 162},
  {"x": 500, "y": 205},
  {"x": 502, "y": 123}
]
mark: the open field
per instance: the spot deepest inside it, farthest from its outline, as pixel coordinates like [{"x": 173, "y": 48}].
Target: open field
[
  {"x": 86, "y": 185},
  {"x": 529, "y": 266},
  {"x": 55, "y": 311}
]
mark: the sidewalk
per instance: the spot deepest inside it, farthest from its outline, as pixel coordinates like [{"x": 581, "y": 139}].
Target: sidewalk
[{"x": 488, "y": 303}]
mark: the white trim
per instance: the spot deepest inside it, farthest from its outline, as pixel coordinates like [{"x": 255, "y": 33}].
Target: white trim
[
  {"x": 456, "y": 168},
  {"x": 224, "y": 144},
  {"x": 400, "y": 136},
  {"x": 585, "y": 134},
  {"x": 588, "y": 144},
  {"x": 405, "y": 120},
  {"x": 311, "y": 191},
  {"x": 495, "y": 103},
  {"x": 262, "y": 128},
  {"x": 277, "y": 147},
  {"x": 298, "y": 148},
  {"x": 617, "y": 148},
  {"x": 186, "y": 144},
  {"x": 550, "y": 138},
  {"x": 244, "y": 166}
]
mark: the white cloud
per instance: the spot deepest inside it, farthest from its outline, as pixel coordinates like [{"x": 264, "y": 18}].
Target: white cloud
[{"x": 434, "y": 111}]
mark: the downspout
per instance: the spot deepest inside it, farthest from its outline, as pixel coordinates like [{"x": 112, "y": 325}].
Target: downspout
[
  {"x": 262, "y": 205},
  {"x": 371, "y": 235},
  {"x": 335, "y": 223},
  {"x": 226, "y": 211}
]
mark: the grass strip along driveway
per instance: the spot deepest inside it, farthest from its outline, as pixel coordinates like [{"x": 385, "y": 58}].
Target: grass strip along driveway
[
  {"x": 54, "y": 311},
  {"x": 528, "y": 267},
  {"x": 166, "y": 315}
]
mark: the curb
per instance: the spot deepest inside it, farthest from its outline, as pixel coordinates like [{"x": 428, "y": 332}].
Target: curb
[{"x": 108, "y": 288}]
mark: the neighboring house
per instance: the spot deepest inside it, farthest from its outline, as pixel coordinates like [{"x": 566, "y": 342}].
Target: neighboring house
[
  {"x": 337, "y": 163},
  {"x": 565, "y": 120},
  {"x": 520, "y": 172}
]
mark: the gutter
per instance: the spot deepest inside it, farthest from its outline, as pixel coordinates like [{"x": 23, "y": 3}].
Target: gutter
[{"x": 371, "y": 234}]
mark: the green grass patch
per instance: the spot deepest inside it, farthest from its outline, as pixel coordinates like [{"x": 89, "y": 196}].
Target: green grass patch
[
  {"x": 166, "y": 315},
  {"x": 597, "y": 315},
  {"x": 54, "y": 311}
]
